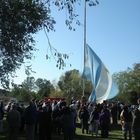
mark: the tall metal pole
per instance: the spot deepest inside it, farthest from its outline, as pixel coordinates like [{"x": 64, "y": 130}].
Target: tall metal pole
[{"x": 84, "y": 42}]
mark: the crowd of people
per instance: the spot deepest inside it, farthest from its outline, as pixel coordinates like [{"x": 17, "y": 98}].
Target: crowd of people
[{"x": 43, "y": 118}]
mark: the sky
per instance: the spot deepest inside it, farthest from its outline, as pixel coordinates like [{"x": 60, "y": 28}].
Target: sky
[{"x": 112, "y": 31}]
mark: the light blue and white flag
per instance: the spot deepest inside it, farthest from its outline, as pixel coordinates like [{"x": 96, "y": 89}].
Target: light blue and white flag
[{"x": 95, "y": 71}]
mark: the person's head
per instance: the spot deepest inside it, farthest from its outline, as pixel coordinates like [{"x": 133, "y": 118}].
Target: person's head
[
  {"x": 14, "y": 106},
  {"x": 95, "y": 107},
  {"x": 125, "y": 107}
]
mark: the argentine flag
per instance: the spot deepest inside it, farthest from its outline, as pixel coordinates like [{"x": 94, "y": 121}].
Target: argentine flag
[{"x": 104, "y": 86}]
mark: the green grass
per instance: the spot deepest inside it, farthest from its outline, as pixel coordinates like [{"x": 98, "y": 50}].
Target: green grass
[{"x": 114, "y": 134}]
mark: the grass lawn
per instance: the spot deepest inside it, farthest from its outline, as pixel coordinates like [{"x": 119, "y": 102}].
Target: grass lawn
[{"x": 115, "y": 134}]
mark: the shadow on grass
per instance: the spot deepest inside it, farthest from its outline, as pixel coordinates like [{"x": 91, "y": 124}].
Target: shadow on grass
[
  {"x": 114, "y": 134},
  {"x": 88, "y": 137}
]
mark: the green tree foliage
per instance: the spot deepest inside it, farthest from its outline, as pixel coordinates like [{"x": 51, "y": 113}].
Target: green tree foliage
[
  {"x": 70, "y": 84},
  {"x": 21, "y": 93},
  {"x": 129, "y": 84},
  {"x": 29, "y": 84},
  {"x": 44, "y": 87},
  {"x": 19, "y": 20},
  {"x": 31, "y": 88}
]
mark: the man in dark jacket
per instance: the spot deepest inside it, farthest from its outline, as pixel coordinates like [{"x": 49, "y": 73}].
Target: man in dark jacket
[
  {"x": 126, "y": 121},
  {"x": 45, "y": 122},
  {"x": 30, "y": 116}
]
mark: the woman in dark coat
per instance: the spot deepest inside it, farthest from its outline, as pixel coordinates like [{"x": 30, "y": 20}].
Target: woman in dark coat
[{"x": 104, "y": 120}]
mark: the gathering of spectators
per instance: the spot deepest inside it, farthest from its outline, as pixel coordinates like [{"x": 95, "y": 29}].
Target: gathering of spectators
[{"x": 43, "y": 118}]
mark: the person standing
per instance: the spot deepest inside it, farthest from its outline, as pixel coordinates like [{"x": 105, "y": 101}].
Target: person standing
[
  {"x": 68, "y": 123},
  {"x": 114, "y": 114},
  {"x": 94, "y": 121},
  {"x": 126, "y": 121},
  {"x": 30, "y": 117},
  {"x": 45, "y": 122},
  {"x": 136, "y": 123},
  {"x": 13, "y": 119},
  {"x": 104, "y": 120},
  {"x": 84, "y": 117}
]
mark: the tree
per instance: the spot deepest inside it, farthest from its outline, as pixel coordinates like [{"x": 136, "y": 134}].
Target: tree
[
  {"x": 129, "y": 84},
  {"x": 70, "y": 85},
  {"x": 19, "y": 20},
  {"x": 31, "y": 88},
  {"x": 21, "y": 93},
  {"x": 45, "y": 88},
  {"x": 29, "y": 84}
]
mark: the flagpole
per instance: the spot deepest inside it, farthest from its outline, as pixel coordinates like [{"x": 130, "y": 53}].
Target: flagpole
[{"x": 84, "y": 42}]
